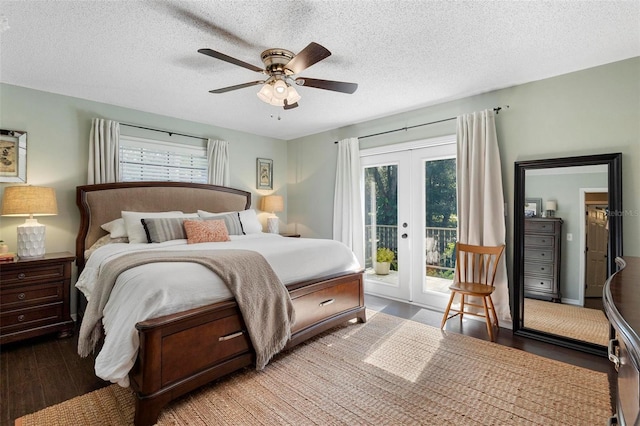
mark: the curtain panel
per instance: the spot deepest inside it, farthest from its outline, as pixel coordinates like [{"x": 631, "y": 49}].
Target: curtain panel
[
  {"x": 104, "y": 155},
  {"x": 481, "y": 219},
  {"x": 218, "y": 157},
  {"x": 348, "y": 226}
]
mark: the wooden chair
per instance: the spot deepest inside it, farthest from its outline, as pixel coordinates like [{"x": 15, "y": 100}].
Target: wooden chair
[{"x": 476, "y": 268}]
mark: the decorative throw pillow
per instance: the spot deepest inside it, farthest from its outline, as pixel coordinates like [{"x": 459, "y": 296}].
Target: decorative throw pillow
[
  {"x": 163, "y": 229},
  {"x": 115, "y": 228},
  {"x": 206, "y": 231},
  {"x": 133, "y": 222},
  {"x": 231, "y": 220},
  {"x": 248, "y": 220}
]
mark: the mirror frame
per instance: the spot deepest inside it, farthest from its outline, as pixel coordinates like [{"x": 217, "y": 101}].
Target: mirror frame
[{"x": 614, "y": 165}]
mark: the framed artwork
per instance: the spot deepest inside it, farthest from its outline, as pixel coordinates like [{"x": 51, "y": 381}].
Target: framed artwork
[
  {"x": 264, "y": 173},
  {"x": 532, "y": 207},
  {"x": 13, "y": 156}
]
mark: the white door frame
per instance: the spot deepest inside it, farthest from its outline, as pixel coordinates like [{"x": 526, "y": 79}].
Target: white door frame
[{"x": 583, "y": 239}]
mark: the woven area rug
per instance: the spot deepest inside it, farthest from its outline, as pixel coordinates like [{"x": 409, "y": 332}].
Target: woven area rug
[
  {"x": 589, "y": 325},
  {"x": 388, "y": 371}
]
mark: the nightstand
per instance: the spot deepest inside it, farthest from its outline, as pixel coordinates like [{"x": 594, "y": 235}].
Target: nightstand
[
  {"x": 34, "y": 297},
  {"x": 291, "y": 235}
]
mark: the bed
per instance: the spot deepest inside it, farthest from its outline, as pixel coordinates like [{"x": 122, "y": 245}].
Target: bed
[{"x": 214, "y": 333}]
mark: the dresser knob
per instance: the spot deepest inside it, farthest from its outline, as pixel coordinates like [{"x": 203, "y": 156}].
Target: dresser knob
[
  {"x": 21, "y": 296},
  {"x": 21, "y": 276},
  {"x": 20, "y": 318}
]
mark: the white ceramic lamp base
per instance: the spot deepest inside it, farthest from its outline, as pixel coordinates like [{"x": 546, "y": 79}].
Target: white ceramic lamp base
[
  {"x": 272, "y": 225},
  {"x": 31, "y": 239}
]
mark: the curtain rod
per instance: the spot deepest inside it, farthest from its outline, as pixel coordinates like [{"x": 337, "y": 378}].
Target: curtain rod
[
  {"x": 496, "y": 109},
  {"x": 162, "y": 131}
]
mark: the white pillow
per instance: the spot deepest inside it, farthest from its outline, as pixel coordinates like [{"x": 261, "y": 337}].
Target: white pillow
[
  {"x": 115, "y": 228},
  {"x": 248, "y": 219},
  {"x": 250, "y": 222},
  {"x": 133, "y": 223}
]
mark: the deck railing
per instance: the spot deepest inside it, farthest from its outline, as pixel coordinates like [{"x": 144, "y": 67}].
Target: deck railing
[{"x": 439, "y": 244}]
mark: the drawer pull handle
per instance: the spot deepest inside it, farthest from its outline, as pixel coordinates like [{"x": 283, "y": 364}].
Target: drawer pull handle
[
  {"x": 542, "y": 283},
  {"x": 21, "y": 296},
  {"x": 230, "y": 336},
  {"x": 327, "y": 302},
  {"x": 21, "y": 276},
  {"x": 20, "y": 318},
  {"x": 542, "y": 254},
  {"x": 613, "y": 343}
]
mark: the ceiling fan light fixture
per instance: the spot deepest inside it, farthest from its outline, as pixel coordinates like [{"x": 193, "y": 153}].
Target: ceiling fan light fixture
[
  {"x": 280, "y": 89},
  {"x": 292, "y": 96}
]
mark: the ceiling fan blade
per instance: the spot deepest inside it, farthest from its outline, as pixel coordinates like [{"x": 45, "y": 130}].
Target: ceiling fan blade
[
  {"x": 227, "y": 58},
  {"x": 310, "y": 55},
  {"x": 236, "y": 87},
  {"x": 336, "y": 86}
]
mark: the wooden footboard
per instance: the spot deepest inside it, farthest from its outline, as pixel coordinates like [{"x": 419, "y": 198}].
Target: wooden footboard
[{"x": 183, "y": 351}]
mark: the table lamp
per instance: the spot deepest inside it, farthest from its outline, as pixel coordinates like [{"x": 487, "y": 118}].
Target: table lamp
[
  {"x": 273, "y": 204},
  {"x": 30, "y": 201},
  {"x": 551, "y": 207}
]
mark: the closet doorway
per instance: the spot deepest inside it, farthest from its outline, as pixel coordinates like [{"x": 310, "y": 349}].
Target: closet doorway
[{"x": 410, "y": 209}]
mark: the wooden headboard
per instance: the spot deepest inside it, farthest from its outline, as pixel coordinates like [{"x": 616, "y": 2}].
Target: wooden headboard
[{"x": 103, "y": 203}]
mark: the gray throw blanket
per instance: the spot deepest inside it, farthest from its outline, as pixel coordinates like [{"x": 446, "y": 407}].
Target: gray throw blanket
[{"x": 263, "y": 300}]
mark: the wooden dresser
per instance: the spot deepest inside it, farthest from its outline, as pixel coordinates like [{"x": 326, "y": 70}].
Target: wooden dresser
[
  {"x": 621, "y": 299},
  {"x": 542, "y": 242},
  {"x": 34, "y": 297}
]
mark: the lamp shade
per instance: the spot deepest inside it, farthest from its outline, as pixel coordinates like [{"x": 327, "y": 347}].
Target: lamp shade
[
  {"x": 272, "y": 203},
  {"x": 551, "y": 205},
  {"x": 29, "y": 201}
]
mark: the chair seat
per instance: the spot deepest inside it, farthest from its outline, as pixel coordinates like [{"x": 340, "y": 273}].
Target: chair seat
[{"x": 477, "y": 289}]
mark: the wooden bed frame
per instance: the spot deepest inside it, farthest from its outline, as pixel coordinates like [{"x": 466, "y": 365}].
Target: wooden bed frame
[{"x": 215, "y": 335}]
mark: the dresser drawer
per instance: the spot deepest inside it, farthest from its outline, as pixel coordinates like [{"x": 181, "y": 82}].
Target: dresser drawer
[
  {"x": 538, "y": 255},
  {"x": 538, "y": 241},
  {"x": 545, "y": 269},
  {"x": 27, "y": 318},
  {"x": 538, "y": 284},
  {"x": 324, "y": 303},
  {"x": 37, "y": 294},
  {"x": 540, "y": 227},
  {"x": 22, "y": 275}
]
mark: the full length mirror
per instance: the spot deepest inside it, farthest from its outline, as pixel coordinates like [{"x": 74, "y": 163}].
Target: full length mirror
[{"x": 567, "y": 233}]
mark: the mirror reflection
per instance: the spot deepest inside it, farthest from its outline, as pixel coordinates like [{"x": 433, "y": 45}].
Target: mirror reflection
[{"x": 566, "y": 237}]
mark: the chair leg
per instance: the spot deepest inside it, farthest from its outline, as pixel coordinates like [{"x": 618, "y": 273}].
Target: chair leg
[
  {"x": 446, "y": 312},
  {"x": 462, "y": 301},
  {"x": 493, "y": 310},
  {"x": 488, "y": 318}
]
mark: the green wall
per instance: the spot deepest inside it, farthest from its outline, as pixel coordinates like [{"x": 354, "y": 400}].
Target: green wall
[
  {"x": 592, "y": 111},
  {"x": 58, "y": 148},
  {"x": 587, "y": 112}
]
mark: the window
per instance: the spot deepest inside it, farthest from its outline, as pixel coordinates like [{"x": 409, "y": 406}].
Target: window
[{"x": 151, "y": 160}]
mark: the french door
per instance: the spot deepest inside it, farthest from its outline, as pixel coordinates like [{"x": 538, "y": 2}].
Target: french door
[{"x": 410, "y": 208}]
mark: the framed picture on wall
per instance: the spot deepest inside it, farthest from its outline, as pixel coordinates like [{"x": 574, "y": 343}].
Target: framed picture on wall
[
  {"x": 264, "y": 173},
  {"x": 13, "y": 156},
  {"x": 532, "y": 207}
]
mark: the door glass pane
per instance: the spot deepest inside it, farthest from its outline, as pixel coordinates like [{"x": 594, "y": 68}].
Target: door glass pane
[
  {"x": 441, "y": 221},
  {"x": 381, "y": 220}
]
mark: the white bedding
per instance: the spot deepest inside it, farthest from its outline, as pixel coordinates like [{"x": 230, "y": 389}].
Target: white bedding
[{"x": 157, "y": 289}]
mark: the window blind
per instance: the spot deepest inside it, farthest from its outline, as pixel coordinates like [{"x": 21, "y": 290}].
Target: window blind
[{"x": 149, "y": 160}]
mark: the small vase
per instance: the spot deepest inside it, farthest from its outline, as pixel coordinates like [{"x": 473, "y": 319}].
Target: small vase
[
  {"x": 4, "y": 248},
  {"x": 382, "y": 268}
]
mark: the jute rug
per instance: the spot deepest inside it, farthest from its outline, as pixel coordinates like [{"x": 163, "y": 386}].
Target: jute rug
[
  {"x": 589, "y": 325},
  {"x": 388, "y": 371}
]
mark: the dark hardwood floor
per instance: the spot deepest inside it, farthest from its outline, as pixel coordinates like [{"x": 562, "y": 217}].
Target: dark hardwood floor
[{"x": 41, "y": 372}]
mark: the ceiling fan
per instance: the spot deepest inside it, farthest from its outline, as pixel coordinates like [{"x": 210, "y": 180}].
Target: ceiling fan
[{"x": 281, "y": 67}]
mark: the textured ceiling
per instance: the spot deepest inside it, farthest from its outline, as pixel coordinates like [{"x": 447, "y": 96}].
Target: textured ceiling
[{"x": 403, "y": 54}]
